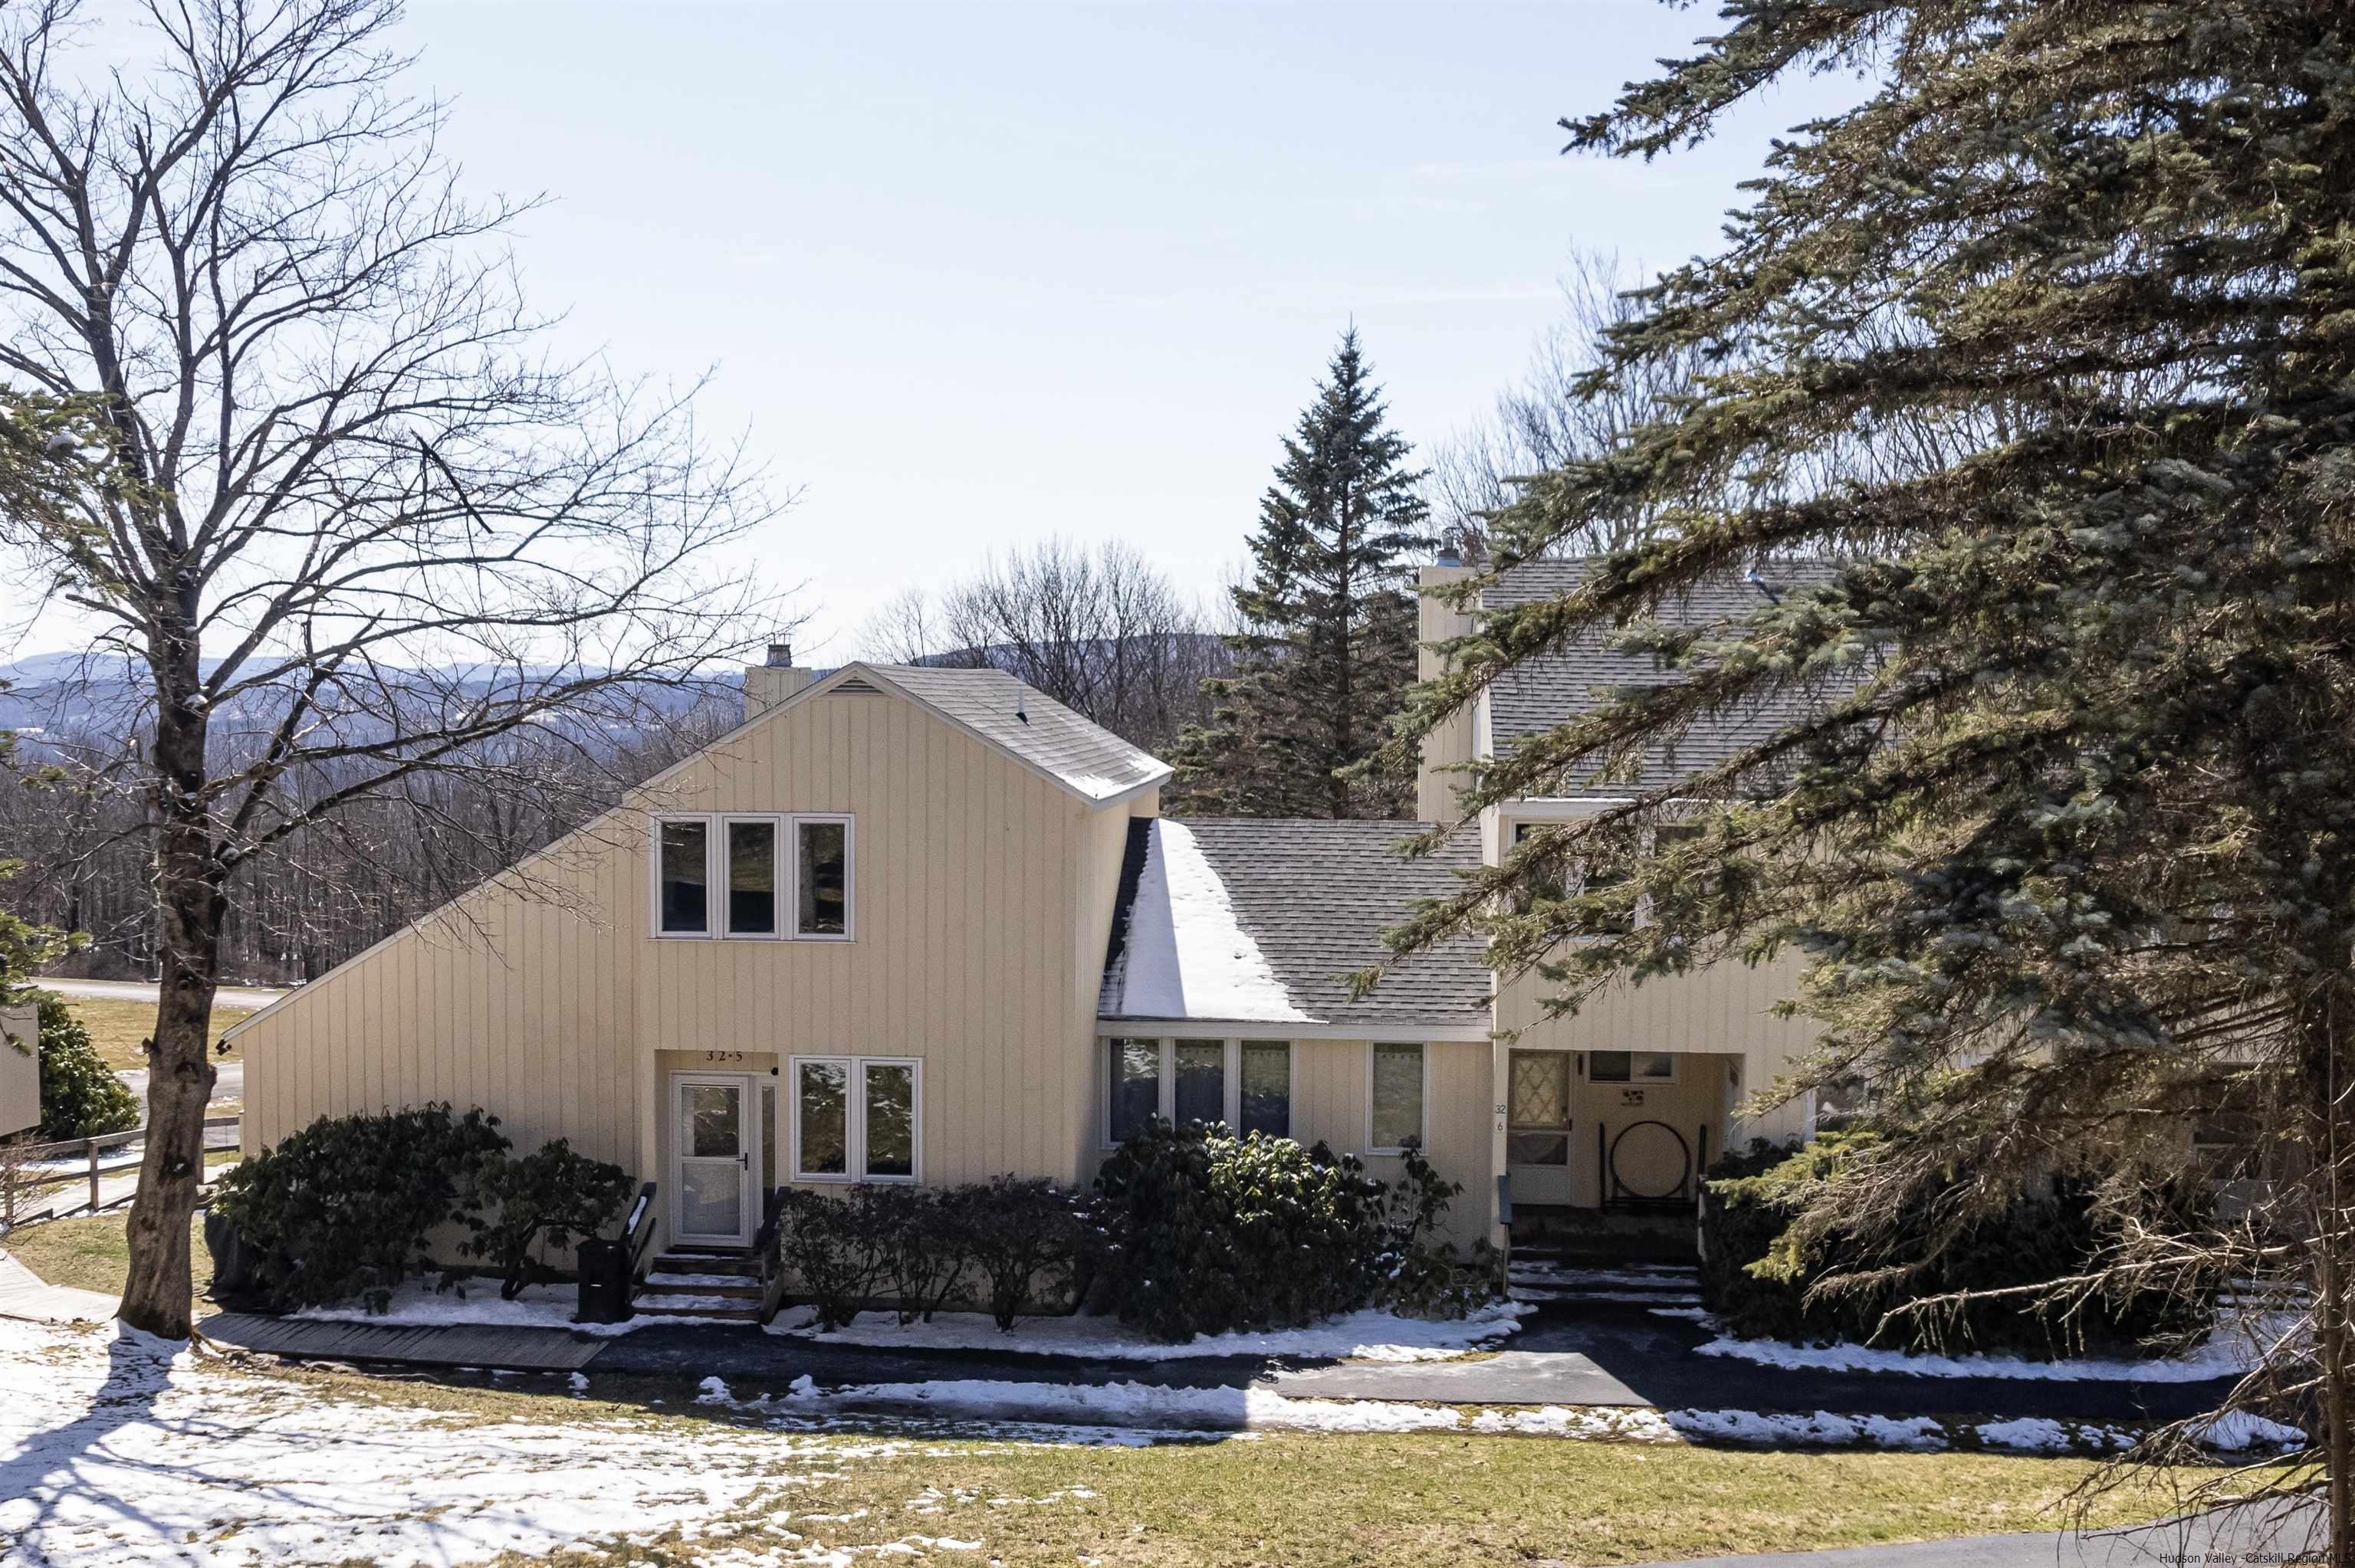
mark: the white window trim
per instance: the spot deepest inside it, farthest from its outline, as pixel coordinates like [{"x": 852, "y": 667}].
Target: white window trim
[
  {"x": 655, "y": 877},
  {"x": 781, "y": 859},
  {"x": 854, "y": 1120},
  {"x": 1230, "y": 1085},
  {"x": 792, "y": 901},
  {"x": 1676, "y": 1069},
  {"x": 1422, "y": 1123},
  {"x": 788, "y": 871}
]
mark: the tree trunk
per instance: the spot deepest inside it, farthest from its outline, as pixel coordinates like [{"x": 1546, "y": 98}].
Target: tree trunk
[
  {"x": 190, "y": 906},
  {"x": 2325, "y": 1016}
]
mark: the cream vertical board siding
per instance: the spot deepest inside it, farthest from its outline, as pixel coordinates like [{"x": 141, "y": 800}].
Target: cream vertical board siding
[
  {"x": 1332, "y": 1103},
  {"x": 1454, "y": 740},
  {"x": 1722, "y": 1007},
  {"x": 982, "y": 892},
  {"x": 20, "y": 1068},
  {"x": 966, "y": 953}
]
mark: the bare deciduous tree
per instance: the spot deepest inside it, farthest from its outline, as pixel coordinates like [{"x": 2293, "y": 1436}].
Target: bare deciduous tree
[
  {"x": 1546, "y": 420},
  {"x": 340, "y": 501},
  {"x": 1104, "y": 633}
]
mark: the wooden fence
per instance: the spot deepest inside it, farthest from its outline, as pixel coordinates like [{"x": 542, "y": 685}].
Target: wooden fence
[{"x": 83, "y": 1175}]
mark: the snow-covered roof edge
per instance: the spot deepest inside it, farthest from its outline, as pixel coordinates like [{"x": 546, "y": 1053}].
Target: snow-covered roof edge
[{"x": 1184, "y": 955}]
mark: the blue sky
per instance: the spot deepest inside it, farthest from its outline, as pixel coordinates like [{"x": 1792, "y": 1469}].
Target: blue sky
[{"x": 973, "y": 275}]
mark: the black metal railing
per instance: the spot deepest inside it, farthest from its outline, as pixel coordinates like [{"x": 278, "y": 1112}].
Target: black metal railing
[{"x": 765, "y": 1248}]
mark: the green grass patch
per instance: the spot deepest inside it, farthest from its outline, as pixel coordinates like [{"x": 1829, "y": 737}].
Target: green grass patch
[
  {"x": 1353, "y": 1501},
  {"x": 93, "y": 1253},
  {"x": 119, "y": 1029}
]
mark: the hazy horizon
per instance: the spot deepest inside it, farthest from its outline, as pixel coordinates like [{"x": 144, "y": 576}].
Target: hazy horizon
[{"x": 969, "y": 277}]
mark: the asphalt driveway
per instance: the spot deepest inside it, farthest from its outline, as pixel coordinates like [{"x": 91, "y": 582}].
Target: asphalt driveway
[{"x": 1562, "y": 1356}]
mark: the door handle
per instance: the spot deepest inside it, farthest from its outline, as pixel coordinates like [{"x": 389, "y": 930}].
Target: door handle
[{"x": 745, "y": 1160}]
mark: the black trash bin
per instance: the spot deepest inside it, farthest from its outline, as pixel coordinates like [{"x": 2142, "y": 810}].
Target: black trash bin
[{"x": 605, "y": 1281}]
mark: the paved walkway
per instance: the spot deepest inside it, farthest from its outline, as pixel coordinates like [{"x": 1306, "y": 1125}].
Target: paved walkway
[
  {"x": 255, "y": 997},
  {"x": 24, "y": 1295},
  {"x": 441, "y": 1345},
  {"x": 2259, "y": 1533}
]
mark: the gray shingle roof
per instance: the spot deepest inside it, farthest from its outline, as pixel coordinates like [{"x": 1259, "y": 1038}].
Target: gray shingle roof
[
  {"x": 1544, "y": 691},
  {"x": 1084, "y": 757},
  {"x": 1315, "y": 897}
]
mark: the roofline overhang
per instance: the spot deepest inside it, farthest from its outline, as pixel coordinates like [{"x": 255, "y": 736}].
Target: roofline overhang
[
  {"x": 881, "y": 676},
  {"x": 1409, "y": 1032}
]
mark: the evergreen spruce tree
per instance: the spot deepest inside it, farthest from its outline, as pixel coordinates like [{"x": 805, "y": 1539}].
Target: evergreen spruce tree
[
  {"x": 1328, "y": 646},
  {"x": 2063, "y": 825}
]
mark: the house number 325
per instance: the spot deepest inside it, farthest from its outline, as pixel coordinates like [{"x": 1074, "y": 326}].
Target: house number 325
[{"x": 723, "y": 1055}]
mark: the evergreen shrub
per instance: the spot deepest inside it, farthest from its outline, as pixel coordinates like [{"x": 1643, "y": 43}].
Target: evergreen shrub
[
  {"x": 80, "y": 1096},
  {"x": 1201, "y": 1231},
  {"x": 1757, "y": 1284},
  {"x": 346, "y": 1206}
]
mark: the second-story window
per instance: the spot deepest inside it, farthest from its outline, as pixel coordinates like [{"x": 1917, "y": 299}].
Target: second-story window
[
  {"x": 751, "y": 877},
  {"x": 822, "y": 863},
  {"x": 766, "y": 875},
  {"x": 685, "y": 875}
]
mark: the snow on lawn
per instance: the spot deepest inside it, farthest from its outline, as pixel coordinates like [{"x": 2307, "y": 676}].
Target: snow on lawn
[
  {"x": 115, "y": 1448},
  {"x": 1370, "y": 1335},
  {"x": 2219, "y": 1357},
  {"x": 1141, "y": 1407},
  {"x": 539, "y": 1307}
]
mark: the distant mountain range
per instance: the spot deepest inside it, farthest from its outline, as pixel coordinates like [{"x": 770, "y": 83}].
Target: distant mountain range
[{"x": 51, "y": 699}]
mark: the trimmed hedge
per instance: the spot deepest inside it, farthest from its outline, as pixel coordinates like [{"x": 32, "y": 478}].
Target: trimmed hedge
[
  {"x": 1003, "y": 1245},
  {"x": 2035, "y": 1239},
  {"x": 1188, "y": 1232}
]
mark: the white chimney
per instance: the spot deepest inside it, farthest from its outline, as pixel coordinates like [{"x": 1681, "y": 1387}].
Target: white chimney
[{"x": 767, "y": 685}]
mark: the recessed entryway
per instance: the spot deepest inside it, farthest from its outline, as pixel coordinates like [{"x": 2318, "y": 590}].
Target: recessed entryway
[{"x": 718, "y": 1123}]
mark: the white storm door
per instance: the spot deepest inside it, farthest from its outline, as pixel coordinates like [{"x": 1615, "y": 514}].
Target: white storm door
[{"x": 715, "y": 1143}]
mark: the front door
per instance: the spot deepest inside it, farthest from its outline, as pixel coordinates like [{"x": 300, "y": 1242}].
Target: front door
[{"x": 716, "y": 1143}]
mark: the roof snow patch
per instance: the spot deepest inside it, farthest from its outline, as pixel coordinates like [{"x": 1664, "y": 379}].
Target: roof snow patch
[{"x": 1187, "y": 956}]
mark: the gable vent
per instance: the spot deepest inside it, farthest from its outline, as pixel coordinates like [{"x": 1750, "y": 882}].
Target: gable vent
[{"x": 856, "y": 686}]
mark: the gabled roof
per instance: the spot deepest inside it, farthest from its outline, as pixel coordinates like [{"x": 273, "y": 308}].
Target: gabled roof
[
  {"x": 1545, "y": 692},
  {"x": 1251, "y": 920},
  {"x": 1016, "y": 718}
]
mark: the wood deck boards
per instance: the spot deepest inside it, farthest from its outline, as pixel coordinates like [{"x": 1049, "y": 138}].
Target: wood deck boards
[{"x": 438, "y": 1345}]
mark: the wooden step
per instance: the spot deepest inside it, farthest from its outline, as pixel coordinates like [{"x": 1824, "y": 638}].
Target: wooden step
[
  {"x": 645, "y": 1308},
  {"x": 742, "y": 1264}
]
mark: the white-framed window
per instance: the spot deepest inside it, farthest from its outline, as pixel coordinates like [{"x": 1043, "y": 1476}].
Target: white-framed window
[
  {"x": 823, "y": 880},
  {"x": 755, "y": 876},
  {"x": 1631, "y": 1066},
  {"x": 750, "y": 855},
  {"x": 1397, "y": 1089},
  {"x": 682, "y": 854},
  {"x": 1246, "y": 1083},
  {"x": 858, "y": 1118},
  {"x": 1657, "y": 839}
]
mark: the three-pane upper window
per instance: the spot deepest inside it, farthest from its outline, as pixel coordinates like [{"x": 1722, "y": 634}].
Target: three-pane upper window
[{"x": 776, "y": 876}]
